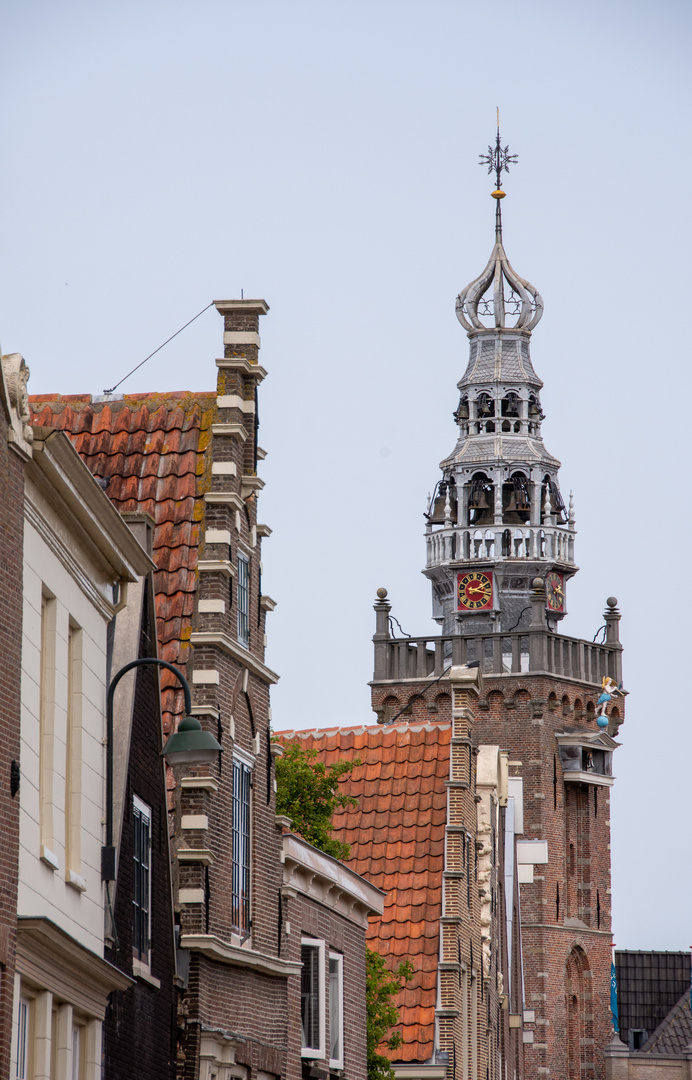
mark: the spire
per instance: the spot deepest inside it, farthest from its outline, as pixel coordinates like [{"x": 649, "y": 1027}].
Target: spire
[{"x": 523, "y": 299}]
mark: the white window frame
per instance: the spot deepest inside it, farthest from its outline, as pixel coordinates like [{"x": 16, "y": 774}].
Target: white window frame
[
  {"x": 24, "y": 1064},
  {"x": 140, "y": 807},
  {"x": 242, "y": 763},
  {"x": 243, "y": 600},
  {"x": 338, "y": 1062},
  {"x": 315, "y": 1051}
]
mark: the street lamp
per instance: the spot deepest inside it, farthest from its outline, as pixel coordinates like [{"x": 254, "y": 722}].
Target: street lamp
[{"x": 189, "y": 745}]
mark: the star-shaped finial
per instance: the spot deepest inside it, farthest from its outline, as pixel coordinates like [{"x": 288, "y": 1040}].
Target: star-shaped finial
[{"x": 498, "y": 159}]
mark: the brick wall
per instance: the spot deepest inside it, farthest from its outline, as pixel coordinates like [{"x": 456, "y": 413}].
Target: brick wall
[
  {"x": 305, "y": 917},
  {"x": 140, "y": 1022},
  {"x": 522, "y": 714},
  {"x": 11, "y": 554},
  {"x": 230, "y": 684}
]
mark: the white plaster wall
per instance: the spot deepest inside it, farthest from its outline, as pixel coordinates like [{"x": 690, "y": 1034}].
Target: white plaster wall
[{"x": 44, "y": 891}]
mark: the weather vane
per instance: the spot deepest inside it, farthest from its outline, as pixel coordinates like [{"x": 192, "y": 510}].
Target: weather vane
[{"x": 498, "y": 159}]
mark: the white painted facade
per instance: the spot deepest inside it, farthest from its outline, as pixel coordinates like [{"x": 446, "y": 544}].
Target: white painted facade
[{"x": 79, "y": 556}]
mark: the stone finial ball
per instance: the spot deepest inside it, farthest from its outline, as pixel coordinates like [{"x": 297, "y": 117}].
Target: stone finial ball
[
  {"x": 382, "y": 594},
  {"x": 537, "y": 583},
  {"x": 612, "y": 601}
]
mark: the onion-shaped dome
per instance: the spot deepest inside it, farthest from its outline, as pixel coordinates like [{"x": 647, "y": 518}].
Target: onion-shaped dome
[{"x": 511, "y": 295}]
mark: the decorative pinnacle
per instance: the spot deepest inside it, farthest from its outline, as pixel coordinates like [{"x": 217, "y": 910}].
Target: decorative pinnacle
[{"x": 498, "y": 159}]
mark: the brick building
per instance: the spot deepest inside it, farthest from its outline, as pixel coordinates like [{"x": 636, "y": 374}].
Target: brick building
[
  {"x": 189, "y": 461},
  {"x": 140, "y": 1021},
  {"x": 500, "y": 554},
  {"x": 78, "y": 558},
  {"x": 325, "y": 913},
  {"x": 15, "y": 447},
  {"x": 433, "y": 826}
]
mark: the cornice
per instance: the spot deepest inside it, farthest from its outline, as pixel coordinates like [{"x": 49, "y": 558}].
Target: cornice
[
  {"x": 235, "y": 956},
  {"x": 329, "y": 881},
  {"x": 75, "y": 569},
  {"x": 51, "y": 958},
  {"x": 244, "y": 658}
]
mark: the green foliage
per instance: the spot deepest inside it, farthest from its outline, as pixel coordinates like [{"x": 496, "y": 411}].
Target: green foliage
[
  {"x": 381, "y": 986},
  {"x": 307, "y": 793}
]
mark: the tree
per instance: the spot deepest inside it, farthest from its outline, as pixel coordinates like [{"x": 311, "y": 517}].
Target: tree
[
  {"x": 307, "y": 793},
  {"x": 381, "y": 986}
]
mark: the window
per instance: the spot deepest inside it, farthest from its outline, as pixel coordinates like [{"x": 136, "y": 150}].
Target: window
[
  {"x": 73, "y": 754},
  {"x": 336, "y": 1011},
  {"x": 78, "y": 1055},
  {"x": 141, "y": 819},
  {"x": 23, "y": 1039},
  {"x": 47, "y": 722},
  {"x": 312, "y": 997},
  {"x": 240, "y": 902},
  {"x": 244, "y": 600}
]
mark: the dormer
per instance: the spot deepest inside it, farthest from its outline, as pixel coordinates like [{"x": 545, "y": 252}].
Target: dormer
[{"x": 587, "y": 757}]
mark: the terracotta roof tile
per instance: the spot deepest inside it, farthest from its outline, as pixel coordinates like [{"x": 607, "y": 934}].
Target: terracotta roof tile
[
  {"x": 396, "y": 834},
  {"x": 152, "y": 446}
]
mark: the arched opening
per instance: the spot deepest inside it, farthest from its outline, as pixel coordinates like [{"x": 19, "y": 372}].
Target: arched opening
[
  {"x": 510, "y": 404},
  {"x": 579, "y": 1015},
  {"x": 565, "y": 705},
  {"x": 516, "y": 500},
  {"x": 490, "y": 427},
  {"x": 481, "y": 500},
  {"x": 485, "y": 406},
  {"x": 552, "y": 503},
  {"x": 462, "y": 413},
  {"x": 535, "y": 413}
]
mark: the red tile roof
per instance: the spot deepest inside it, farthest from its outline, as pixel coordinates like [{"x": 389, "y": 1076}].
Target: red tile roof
[
  {"x": 152, "y": 446},
  {"x": 396, "y": 833}
]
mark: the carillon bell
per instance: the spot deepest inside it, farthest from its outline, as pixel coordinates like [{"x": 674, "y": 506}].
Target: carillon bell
[
  {"x": 478, "y": 499},
  {"x": 437, "y": 514}
]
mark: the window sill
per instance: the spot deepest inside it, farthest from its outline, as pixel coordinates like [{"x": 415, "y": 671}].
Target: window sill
[
  {"x": 49, "y": 858},
  {"x": 141, "y": 971},
  {"x": 75, "y": 881}
]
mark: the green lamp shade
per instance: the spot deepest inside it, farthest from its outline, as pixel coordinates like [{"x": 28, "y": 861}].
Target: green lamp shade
[{"x": 191, "y": 745}]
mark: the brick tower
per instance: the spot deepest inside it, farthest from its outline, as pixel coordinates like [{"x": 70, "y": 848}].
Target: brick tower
[{"x": 500, "y": 552}]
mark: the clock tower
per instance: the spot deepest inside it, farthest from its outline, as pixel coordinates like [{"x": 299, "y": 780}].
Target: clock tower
[
  {"x": 500, "y": 555},
  {"x": 497, "y": 519}
]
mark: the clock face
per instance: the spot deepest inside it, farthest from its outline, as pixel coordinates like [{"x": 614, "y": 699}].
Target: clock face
[
  {"x": 474, "y": 592},
  {"x": 555, "y": 591}
]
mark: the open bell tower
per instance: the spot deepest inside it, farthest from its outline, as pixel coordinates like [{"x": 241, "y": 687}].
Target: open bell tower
[
  {"x": 500, "y": 555},
  {"x": 497, "y": 518}
]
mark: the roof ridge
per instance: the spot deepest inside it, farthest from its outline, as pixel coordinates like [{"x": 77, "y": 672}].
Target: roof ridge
[{"x": 424, "y": 725}]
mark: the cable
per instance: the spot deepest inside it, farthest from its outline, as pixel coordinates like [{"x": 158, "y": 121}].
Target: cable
[{"x": 159, "y": 349}]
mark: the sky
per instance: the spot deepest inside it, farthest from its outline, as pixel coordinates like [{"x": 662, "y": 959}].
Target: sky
[{"x": 324, "y": 156}]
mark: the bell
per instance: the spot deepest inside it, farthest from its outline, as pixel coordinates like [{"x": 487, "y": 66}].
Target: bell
[
  {"x": 437, "y": 515},
  {"x": 462, "y": 412},
  {"x": 479, "y": 499}
]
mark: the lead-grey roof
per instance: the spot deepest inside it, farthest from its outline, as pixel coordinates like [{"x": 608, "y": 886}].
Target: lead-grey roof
[
  {"x": 674, "y": 1034},
  {"x": 484, "y": 449},
  {"x": 500, "y": 357}
]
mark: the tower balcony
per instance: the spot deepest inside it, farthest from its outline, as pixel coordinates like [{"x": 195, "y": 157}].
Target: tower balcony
[
  {"x": 454, "y": 544},
  {"x": 536, "y": 651}
]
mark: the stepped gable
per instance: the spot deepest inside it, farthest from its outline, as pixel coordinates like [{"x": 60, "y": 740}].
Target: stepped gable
[
  {"x": 153, "y": 450},
  {"x": 674, "y": 1034},
  {"x": 397, "y": 838}
]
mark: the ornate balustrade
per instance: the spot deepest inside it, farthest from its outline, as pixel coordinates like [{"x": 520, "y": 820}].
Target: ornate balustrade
[
  {"x": 531, "y": 651},
  {"x": 455, "y": 544}
]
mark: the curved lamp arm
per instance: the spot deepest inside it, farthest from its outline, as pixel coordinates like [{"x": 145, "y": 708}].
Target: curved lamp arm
[{"x": 108, "y": 851}]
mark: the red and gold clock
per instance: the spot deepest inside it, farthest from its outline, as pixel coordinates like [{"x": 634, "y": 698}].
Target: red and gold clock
[
  {"x": 555, "y": 591},
  {"x": 474, "y": 591}
]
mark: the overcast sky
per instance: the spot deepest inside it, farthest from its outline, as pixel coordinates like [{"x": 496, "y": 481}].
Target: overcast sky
[{"x": 324, "y": 156}]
